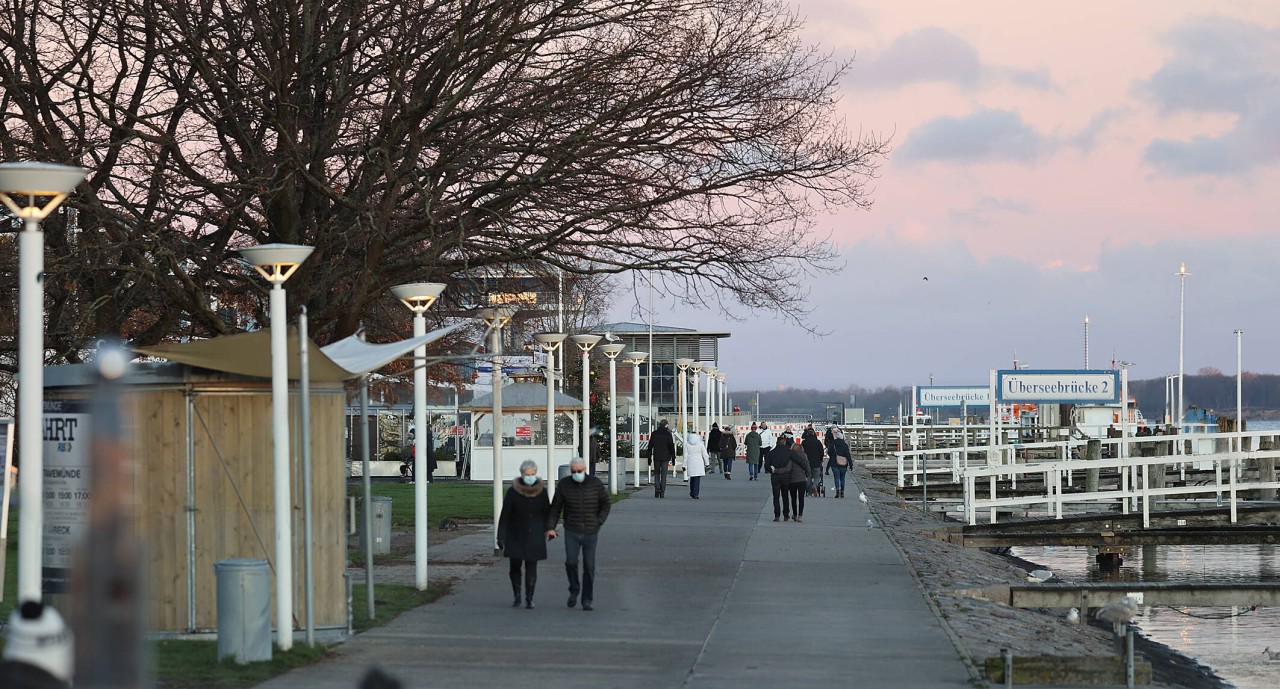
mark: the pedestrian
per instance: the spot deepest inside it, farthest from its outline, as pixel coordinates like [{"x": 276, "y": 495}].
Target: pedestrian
[
  {"x": 713, "y": 445},
  {"x": 695, "y": 463},
  {"x": 584, "y": 503},
  {"x": 431, "y": 455},
  {"x": 840, "y": 460},
  {"x": 767, "y": 437},
  {"x": 814, "y": 452},
  {"x": 755, "y": 452},
  {"x": 798, "y": 481},
  {"x": 521, "y": 529},
  {"x": 662, "y": 453},
  {"x": 728, "y": 450},
  {"x": 778, "y": 465}
]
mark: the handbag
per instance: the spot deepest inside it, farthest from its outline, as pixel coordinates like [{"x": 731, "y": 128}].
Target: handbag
[{"x": 842, "y": 461}]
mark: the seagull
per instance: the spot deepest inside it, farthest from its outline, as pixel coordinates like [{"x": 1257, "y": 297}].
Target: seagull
[
  {"x": 1273, "y": 655},
  {"x": 1118, "y": 613},
  {"x": 871, "y": 524},
  {"x": 1040, "y": 575},
  {"x": 1073, "y": 616},
  {"x": 610, "y": 337},
  {"x": 926, "y": 279},
  {"x": 863, "y": 497}
]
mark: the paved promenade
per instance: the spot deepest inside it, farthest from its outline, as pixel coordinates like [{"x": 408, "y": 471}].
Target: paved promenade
[{"x": 702, "y": 593}]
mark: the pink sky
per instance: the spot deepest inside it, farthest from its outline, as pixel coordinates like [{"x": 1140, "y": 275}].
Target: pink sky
[{"x": 1051, "y": 160}]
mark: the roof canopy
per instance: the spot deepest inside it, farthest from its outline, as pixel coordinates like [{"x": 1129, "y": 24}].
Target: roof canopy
[
  {"x": 249, "y": 354},
  {"x": 519, "y": 398}
]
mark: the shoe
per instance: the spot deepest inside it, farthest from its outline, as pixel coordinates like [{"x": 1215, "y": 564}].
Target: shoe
[
  {"x": 799, "y": 518},
  {"x": 515, "y": 602},
  {"x": 775, "y": 519},
  {"x": 528, "y": 605},
  {"x": 587, "y": 606},
  {"x": 786, "y": 517},
  {"x": 573, "y": 600},
  {"x": 728, "y": 477}
]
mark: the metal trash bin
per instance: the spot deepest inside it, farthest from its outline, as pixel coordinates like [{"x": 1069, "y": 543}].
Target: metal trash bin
[
  {"x": 244, "y": 609},
  {"x": 562, "y": 471},
  {"x": 381, "y": 505}
]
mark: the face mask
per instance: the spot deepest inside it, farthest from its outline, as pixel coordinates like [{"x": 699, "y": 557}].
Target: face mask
[
  {"x": 579, "y": 476},
  {"x": 529, "y": 480}
]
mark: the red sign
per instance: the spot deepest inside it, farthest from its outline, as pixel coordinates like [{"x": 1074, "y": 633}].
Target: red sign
[
  {"x": 458, "y": 431},
  {"x": 524, "y": 431}
]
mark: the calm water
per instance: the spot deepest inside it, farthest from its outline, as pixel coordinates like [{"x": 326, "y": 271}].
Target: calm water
[{"x": 1231, "y": 645}]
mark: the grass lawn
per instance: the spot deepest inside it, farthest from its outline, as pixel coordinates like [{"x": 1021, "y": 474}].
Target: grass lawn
[{"x": 444, "y": 499}]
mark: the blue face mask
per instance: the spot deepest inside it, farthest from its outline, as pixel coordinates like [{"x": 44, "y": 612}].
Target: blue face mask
[
  {"x": 529, "y": 480},
  {"x": 579, "y": 476}
]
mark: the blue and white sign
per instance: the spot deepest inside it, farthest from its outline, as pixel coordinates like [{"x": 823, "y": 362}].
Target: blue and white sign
[
  {"x": 953, "y": 396},
  {"x": 1058, "y": 387}
]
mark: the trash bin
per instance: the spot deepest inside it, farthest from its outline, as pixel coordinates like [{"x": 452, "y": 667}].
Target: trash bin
[
  {"x": 381, "y": 525},
  {"x": 244, "y": 609},
  {"x": 562, "y": 471}
]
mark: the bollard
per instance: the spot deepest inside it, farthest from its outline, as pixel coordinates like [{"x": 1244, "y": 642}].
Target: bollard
[
  {"x": 244, "y": 609},
  {"x": 1092, "y": 451},
  {"x": 381, "y": 505},
  {"x": 1008, "y": 667},
  {"x": 1128, "y": 656}
]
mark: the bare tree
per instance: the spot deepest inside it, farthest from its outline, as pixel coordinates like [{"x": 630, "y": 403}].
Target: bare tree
[{"x": 410, "y": 140}]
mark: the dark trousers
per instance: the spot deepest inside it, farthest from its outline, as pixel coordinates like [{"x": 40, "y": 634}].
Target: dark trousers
[
  {"x": 530, "y": 576},
  {"x": 797, "y": 491},
  {"x": 575, "y": 543},
  {"x": 753, "y": 470},
  {"x": 659, "y": 478},
  {"x": 695, "y": 486},
  {"x": 780, "y": 505},
  {"x": 728, "y": 464}
]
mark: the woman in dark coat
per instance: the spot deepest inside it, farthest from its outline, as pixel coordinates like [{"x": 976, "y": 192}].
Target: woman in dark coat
[
  {"x": 798, "y": 481},
  {"x": 814, "y": 451},
  {"x": 521, "y": 533}
]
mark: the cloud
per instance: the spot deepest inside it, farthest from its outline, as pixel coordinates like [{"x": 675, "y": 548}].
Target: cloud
[
  {"x": 1087, "y": 137},
  {"x": 1218, "y": 65},
  {"x": 983, "y": 136},
  {"x": 933, "y": 54},
  {"x": 981, "y": 214}
]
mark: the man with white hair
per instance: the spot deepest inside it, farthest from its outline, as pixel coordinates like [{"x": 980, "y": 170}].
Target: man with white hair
[{"x": 585, "y": 504}]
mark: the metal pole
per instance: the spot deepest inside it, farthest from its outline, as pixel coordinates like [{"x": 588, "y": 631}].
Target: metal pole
[
  {"x": 680, "y": 395},
  {"x": 496, "y": 339},
  {"x": 30, "y": 409},
  {"x": 551, "y": 425},
  {"x": 613, "y": 425},
  {"x": 421, "y": 462},
  {"x": 304, "y": 422},
  {"x": 280, "y": 466},
  {"x": 1086, "y": 342},
  {"x": 1239, "y": 393},
  {"x": 693, "y": 399},
  {"x": 586, "y": 410},
  {"x": 1182, "y": 304},
  {"x": 368, "y": 496},
  {"x": 635, "y": 421}
]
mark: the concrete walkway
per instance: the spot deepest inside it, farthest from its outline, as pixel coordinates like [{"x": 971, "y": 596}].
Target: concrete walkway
[{"x": 689, "y": 593}]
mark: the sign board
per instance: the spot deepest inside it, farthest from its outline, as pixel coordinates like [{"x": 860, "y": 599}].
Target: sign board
[
  {"x": 953, "y": 396},
  {"x": 1058, "y": 386},
  {"x": 66, "y": 488},
  {"x": 524, "y": 431},
  {"x": 458, "y": 431}
]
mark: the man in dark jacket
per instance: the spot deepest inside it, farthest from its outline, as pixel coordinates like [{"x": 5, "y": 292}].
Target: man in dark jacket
[
  {"x": 713, "y": 446},
  {"x": 585, "y": 504},
  {"x": 778, "y": 464},
  {"x": 662, "y": 452},
  {"x": 814, "y": 452}
]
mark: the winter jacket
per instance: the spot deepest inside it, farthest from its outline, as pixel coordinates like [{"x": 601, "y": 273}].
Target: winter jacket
[
  {"x": 520, "y": 527},
  {"x": 713, "y": 440},
  {"x": 754, "y": 448},
  {"x": 584, "y": 505},
  {"x": 800, "y": 471},
  {"x": 778, "y": 463},
  {"x": 728, "y": 446},
  {"x": 813, "y": 450},
  {"x": 840, "y": 447},
  {"x": 695, "y": 456},
  {"x": 662, "y": 446}
]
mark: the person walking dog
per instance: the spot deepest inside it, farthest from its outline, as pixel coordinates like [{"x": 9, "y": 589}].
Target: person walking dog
[{"x": 584, "y": 503}]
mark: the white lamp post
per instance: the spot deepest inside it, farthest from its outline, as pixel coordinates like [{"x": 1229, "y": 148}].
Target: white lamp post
[
  {"x": 612, "y": 350},
  {"x": 696, "y": 367},
  {"x": 495, "y": 319},
  {"x": 419, "y": 296},
  {"x": 20, "y": 185},
  {"x": 1182, "y": 304},
  {"x": 724, "y": 397},
  {"x": 1239, "y": 393},
  {"x": 712, "y": 396},
  {"x": 682, "y": 365},
  {"x": 276, "y": 263},
  {"x": 550, "y": 342},
  {"x": 1086, "y": 342},
  {"x": 635, "y": 359},
  {"x": 585, "y": 342}
]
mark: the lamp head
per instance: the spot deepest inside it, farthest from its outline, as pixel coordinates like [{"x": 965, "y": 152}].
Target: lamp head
[
  {"x": 418, "y": 296},
  {"x": 636, "y": 357},
  {"x": 710, "y": 370},
  {"x": 720, "y": 377},
  {"x": 613, "y": 349},
  {"x": 496, "y": 316},
  {"x": 695, "y": 366},
  {"x": 277, "y": 262},
  {"x": 549, "y": 342},
  {"x": 683, "y": 364},
  {"x": 48, "y": 180},
  {"x": 585, "y": 341}
]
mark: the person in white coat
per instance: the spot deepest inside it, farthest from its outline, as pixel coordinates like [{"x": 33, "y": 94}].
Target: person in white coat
[{"x": 695, "y": 463}]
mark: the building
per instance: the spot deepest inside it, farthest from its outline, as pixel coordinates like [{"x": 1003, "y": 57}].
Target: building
[{"x": 664, "y": 344}]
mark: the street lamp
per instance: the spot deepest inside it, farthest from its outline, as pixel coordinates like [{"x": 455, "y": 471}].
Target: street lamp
[
  {"x": 419, "y": 296},
  {"x": 1239, "y": 393},
  {"x": 495, "y": 318},
  {"x": 20, "y": 185},
  {"x": 696, "y": 367},
  {"x": 612, "y": 350},
  {"x": 550, "y": 342},
  {"x": 585, "y": 342},
  {"x": 277, "y": 263},
  {"x": 682, "y": 365},
  {"x": 710, "y": 372},
  {"x": 1182, "y": 307},
  {"x": 636, "y": 359},
  {"x": 724, "y": 397}
]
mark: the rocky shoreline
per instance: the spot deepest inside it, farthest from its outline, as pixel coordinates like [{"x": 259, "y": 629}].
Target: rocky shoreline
[{"x": 981, "y": 628}]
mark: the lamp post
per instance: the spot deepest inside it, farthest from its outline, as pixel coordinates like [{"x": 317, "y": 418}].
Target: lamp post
[
  {"x": 612, "y": 350},
  {"x": 419, "y": 296},
  {"x": 682, "y": 365},
  {"x": 550, "y": 342},
  {"x": 20, "y": 185},
  {"x": 1182, "y": 304},
  {"x": 696, "y": 367},
  {"x": 277, "y": 263},
  {"x": 1239, "y": 393},
  {"x": 1086, "y": 342},
  {"x": 724, "y": 397},
  {"x": 710, "y": 372},
  {"x": 585, "y": 342},
  {"x": 495, "y": 318},
  {"x": 635, "y": 359}
]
